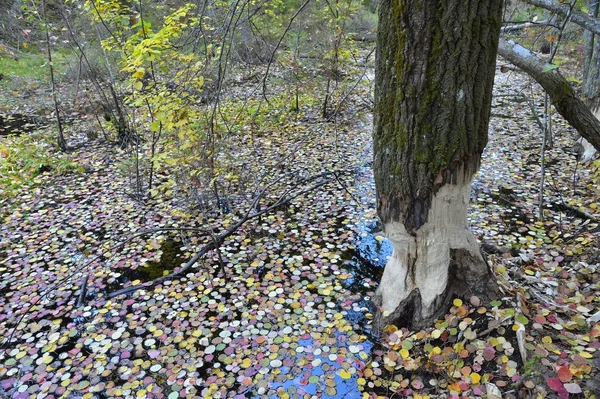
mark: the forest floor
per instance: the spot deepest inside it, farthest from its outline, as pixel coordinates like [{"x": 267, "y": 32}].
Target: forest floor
[{"x": 282, "y": 309}]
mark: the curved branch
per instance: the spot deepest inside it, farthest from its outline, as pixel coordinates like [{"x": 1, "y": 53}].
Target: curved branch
[
  {"x": 563, "y": 97},
  {"x": 585, "y": 21}
]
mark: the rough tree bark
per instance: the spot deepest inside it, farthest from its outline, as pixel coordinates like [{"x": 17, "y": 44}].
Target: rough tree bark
[
  {"x": 563, "y": 97},
  {"x": 434, "y": 75}
]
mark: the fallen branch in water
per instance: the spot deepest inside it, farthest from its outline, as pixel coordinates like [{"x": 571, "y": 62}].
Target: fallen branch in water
[
  {"x": 580, "y": 213},
  {"x": 217, "y": 240},
  {"x": 83, "y": 291}
]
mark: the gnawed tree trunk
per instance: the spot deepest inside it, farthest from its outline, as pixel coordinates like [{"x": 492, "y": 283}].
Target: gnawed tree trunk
[
  {"x": 563, "y": 97},
  {"x": 434, "y": 75}
]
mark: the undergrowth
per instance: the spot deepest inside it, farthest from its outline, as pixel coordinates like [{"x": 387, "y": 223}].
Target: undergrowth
[{"x": 23, "y": 158}]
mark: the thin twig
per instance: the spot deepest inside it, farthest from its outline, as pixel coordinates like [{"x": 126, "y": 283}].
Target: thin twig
[{"x": 345, "y": 187}]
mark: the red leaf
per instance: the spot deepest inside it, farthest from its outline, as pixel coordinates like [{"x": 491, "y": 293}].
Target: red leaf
[
  {"x": 555, "y": 384},
  {"x": 564, "y": 374}
]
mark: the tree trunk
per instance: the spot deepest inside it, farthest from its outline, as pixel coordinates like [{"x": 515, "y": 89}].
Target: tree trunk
[
  {"x": 563, "y": 97},
  {"x": 434, "y": 75},
  {"x": 591, "y": 79}
]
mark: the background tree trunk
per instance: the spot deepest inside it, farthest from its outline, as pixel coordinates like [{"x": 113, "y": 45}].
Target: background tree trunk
[
  {"x": 591, "y": 78},
  {"x": 434, "y": 74}
]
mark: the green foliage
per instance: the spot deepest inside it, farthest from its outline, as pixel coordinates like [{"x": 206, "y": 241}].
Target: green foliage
[
  {"x": 93, "y": 67},
  {"x": 364, "y": 21},
  {"x": 162, "y": 77},
  {"x": 526, "y": 13},
  {"x": 532, "y": 367},
  {"x": 23, "y": 158},
  {"x": 175, "y": 62}
]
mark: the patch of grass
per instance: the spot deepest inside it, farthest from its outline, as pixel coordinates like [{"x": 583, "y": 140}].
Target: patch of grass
[
  {"x": 29, "y": 67},
  {"x": 20, "y": 76},
  {"x": 23, "y": 76}
]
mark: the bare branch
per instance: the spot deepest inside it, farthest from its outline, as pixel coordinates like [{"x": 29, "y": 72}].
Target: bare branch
[
  {"x": 590, "y": 23},
  {"x": 525, "y": 25},
  {"x": 291, "y": 21}
]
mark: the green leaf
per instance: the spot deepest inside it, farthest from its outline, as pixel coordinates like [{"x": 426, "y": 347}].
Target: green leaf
[
  {"x": 550, "y": 67},
  {"x": 522, "y": 319},
  {"x": 170, "y": 161}
]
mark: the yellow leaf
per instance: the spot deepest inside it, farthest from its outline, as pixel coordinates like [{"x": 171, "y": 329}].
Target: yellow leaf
[
  {"x": 139, "y": 73},
  {"x": 345, "y": 375},
  {"x": 475, "y": 378},
  {"x": 137, "y": 85},
  {"x": 457, "y": 302}
]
